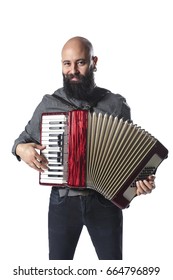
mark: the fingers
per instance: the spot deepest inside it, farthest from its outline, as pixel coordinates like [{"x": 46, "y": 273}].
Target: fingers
[
  {"x": 40, "y": 158},
  {"x": 145, "y": 186},
  {"x": 151, "y": 178},
  {"x": 34, "y": 166},
  {"x": 28, "y": 153},
  {"x": 39, "y": 147},
  {"x": 39, "y": 163}
]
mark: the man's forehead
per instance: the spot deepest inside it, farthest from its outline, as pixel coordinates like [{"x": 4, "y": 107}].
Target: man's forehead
[{"x": 71, "y": 53}]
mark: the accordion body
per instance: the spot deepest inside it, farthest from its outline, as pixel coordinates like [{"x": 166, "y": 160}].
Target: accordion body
[{"x": 99, "y": 152}]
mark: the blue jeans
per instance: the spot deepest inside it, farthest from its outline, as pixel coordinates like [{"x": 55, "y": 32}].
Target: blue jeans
[{"x": 68, "y": 215}]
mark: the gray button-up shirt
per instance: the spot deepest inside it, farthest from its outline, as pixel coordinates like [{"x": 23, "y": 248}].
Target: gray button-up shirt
[{"x": 108, "y": 102}]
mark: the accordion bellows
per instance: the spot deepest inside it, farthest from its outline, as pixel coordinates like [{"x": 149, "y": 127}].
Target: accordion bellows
[{"x": 99, "y": 152}]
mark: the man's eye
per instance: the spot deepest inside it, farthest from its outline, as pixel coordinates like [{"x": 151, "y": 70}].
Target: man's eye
[
  {"x": 81, "y": 62},
  {"x": 67, "y": 64}
]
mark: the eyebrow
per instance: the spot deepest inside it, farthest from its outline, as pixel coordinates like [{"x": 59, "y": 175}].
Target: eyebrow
[
  {"x": 83, "y": 59},
  {"x": 65, "y": 61}
]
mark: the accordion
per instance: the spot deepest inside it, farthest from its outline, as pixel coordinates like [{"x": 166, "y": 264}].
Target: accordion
[{"x": 99, "y": 152}]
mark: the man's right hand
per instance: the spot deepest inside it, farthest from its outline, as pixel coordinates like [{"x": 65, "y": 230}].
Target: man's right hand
[{"x": 28, "y": 153}]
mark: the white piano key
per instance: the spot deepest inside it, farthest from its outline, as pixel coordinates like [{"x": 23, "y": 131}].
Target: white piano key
[
  {"x": 59, "y": 117},
  {"x": 52, "y": 181},
  {"x": 54, "y": 166},
  {"x": 52, "y": 172},
  {"x": 49, "y": 149}
]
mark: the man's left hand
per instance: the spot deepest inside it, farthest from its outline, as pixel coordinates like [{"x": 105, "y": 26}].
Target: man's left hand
[{"x": 145, "y": 186}]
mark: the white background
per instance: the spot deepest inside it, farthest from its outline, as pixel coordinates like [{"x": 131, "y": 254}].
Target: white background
[{"x": 133, "y": 41}]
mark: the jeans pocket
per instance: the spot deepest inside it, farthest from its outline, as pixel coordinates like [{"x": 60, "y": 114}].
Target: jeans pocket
[
  {"x": 55, "y": 197},
  {"x": 103, "y": 201}
]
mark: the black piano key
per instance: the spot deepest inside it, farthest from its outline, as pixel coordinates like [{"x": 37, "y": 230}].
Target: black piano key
[
  {"x": 55, "y": 176},
  {"x": 55, "y": 153},
  {"x": 54, "y": 164},
  {"x": 55, "y": 170}
]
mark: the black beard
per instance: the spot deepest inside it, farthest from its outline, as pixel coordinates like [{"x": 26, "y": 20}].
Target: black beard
[{"x": 79, "y": 90}]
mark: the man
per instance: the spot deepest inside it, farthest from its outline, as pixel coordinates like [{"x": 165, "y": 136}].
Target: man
[{"x": 70, "y": 209}]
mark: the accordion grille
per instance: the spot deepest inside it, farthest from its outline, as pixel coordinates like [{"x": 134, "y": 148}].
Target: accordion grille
[{"x": 114, "y": 149}]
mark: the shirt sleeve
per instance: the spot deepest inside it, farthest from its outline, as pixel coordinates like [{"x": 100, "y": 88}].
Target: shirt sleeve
[
  {"x": 116, "y": 105},
  {"x": 125, "y": 111},
  {"x": 31, "y": 133}
]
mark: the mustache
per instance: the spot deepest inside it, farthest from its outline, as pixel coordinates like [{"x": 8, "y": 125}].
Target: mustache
[{"x": 71, "y": 76}]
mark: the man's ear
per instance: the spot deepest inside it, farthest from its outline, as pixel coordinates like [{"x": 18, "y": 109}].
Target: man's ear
[{"x": 95, "y": 59}]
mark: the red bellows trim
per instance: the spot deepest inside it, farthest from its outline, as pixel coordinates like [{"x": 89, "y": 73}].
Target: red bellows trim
[{"x": 77, "y": 148}]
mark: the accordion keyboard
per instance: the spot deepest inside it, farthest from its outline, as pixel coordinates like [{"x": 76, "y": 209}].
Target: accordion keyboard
[{"x": 54, "y": 137}]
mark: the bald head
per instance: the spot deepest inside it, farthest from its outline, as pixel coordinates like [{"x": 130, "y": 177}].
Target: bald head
[{"x": 79, "y": 43}]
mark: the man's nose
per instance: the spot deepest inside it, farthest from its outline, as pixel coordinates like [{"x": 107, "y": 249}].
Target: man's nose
[{"x": 74, "y": 69}]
